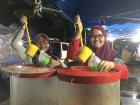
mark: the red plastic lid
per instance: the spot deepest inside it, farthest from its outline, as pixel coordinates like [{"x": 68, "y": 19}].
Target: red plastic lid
[
  {"x": 29, "y": 71},
  {"x": 82, "y": 75}
]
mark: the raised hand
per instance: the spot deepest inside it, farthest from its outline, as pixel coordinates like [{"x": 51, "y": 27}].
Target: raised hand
[
  {"x": 23, "y": 20},
  {"x": 106, "y": 65},
  {"x": 78, "y": 24}
]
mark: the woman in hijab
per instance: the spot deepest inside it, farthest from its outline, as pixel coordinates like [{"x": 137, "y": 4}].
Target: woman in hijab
[
  {"x": 97, "y": 42},
  {"x": 42, "y": 41}
]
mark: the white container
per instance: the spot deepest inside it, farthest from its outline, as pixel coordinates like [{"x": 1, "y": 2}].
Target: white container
[
  {"x": 78, "y": 86},
  {"x": 30, "y": 87}
]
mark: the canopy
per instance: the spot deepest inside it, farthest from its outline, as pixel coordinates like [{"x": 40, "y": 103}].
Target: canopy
[
  {"x": 101, "y": 12},
  {"x": 121, "y": 17},
  {"x": 115, "y": 14}
]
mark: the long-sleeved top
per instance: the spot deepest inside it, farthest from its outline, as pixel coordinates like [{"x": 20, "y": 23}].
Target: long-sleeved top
[
  {"x": 73, "y": 50},
  {"x": 20, "y": 49}
]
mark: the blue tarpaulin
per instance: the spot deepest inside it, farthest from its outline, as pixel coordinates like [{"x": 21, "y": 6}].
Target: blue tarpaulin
[{"x": 121, "y": 17}]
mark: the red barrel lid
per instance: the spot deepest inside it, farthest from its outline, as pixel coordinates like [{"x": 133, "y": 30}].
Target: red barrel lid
[
  {"x": 29, "y": 71},
  {"x": 82, "y": 75}
]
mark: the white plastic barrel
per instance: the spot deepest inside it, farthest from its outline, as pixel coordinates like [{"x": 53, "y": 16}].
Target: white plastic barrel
[
  {"x": 32, "y": 85},
  {"x": 79, "y": 86}
]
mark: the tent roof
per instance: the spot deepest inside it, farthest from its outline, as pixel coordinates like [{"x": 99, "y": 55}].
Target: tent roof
[{"x": 95, "y": 11}]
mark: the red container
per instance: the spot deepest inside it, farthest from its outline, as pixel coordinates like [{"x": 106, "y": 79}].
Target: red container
[
  {"x": 81, "y": 74},
  {"x": 32, "y": 85},
  {"x": 79, "y": 86},
  {"x": 29, "y": 71}
]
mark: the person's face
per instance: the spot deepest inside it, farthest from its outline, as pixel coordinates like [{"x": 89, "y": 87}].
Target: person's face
[
  {"x": 96, "y": 38},
  {"x": 42, "y": 43}
]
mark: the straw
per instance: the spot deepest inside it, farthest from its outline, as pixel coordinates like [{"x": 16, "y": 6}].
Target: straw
[{"x": 28, "y": 35}]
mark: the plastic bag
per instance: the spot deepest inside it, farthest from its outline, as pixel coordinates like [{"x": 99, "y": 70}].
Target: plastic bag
[
  {"x": 44, "y": 59},
  {"x": 7, "y": 53},
  {"x": 93, "y": 63}
]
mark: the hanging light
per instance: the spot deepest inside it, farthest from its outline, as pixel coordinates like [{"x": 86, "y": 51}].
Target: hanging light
[
  {"x": 110, "y": 37},
  {"x": 136, "y": 37}
]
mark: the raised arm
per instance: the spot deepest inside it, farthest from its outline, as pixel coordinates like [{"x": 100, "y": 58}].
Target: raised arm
[
  {"x": 78, "y": 27},
  {"x": 75, "y": 42},
  {"x": 15, "y": 43},
  {"x": 18, "y": 37}
]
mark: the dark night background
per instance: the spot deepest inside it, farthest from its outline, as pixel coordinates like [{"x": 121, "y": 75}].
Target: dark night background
[{"x": 55, "y": 25}]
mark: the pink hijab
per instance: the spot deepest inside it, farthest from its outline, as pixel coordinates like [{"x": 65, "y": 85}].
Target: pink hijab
[{"x": 105, "y": 52}]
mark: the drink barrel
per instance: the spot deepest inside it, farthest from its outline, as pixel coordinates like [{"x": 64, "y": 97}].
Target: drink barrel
[
  {"x": 32, "y": 85},
  {"x": 79, "y": 86}
]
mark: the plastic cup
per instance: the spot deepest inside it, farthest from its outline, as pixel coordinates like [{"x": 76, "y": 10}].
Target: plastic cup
[
  {"x": 31, "y": 50},
  {"x": 45, "y": 62},
  {"x": 84, "y": 53},
  {"x": 95, "y": 68}
]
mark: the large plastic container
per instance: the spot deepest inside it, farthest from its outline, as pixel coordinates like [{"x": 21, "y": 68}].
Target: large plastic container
[
  {"x": 32, "y": 85},
  {"x": 79, "y": 86}
]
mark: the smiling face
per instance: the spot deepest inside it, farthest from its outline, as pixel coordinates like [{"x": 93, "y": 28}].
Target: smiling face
[
  {"x": 42, "y": 43},
  {"x": 96, "y": 38}
]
